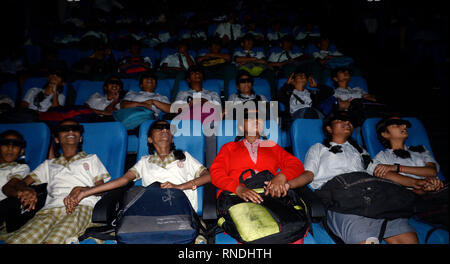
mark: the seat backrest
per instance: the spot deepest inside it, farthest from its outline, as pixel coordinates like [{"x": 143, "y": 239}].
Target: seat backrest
[
  {"x": 355, "y": 81},
  {"x": 85, "y": 88},
  {"x": 307, "y": 132},
  {"x": 109, "y": 141},
  {"x": 227, "y": 130},
  {"x": 194, "y": 143},
  {"x": 163, "y": 87},
  {"x": 260, "y": 86},
  {"x": 211, "y": 84},
  {"x": 417, "y": 136},
  {"x": 37, "y": 136},
  {"x": 10, "y": 89}
]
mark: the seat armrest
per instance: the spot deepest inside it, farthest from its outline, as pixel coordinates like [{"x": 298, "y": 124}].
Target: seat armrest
[
  {"x": 316, "y": 207},
  {"x": 106, "y": 209},
  {"x": 209, "y": 202}
]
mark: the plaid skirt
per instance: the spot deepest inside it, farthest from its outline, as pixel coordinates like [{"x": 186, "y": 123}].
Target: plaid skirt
[{"x": 53, "y": 226}]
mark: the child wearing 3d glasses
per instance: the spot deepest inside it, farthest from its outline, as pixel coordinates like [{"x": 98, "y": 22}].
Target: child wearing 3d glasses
[{"x": 53, "y": 224}]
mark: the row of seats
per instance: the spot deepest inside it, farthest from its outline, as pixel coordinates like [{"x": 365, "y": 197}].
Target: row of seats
[
  {"x": 72, "y": 55},
  {"x": 113, "y": 155}
]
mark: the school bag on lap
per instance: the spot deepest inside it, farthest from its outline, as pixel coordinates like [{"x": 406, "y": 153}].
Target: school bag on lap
[
  {"x": 274, "y": 221},
  {"x": 152, "y": 215}
]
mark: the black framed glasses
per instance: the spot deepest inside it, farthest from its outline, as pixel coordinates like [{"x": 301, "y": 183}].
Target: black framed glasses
[
  {"x": 14, "y": 142},
  {"x": 67, "y": 128},
  {"x": 161, "y": 127},
  {"x": 245, "y": 80}
]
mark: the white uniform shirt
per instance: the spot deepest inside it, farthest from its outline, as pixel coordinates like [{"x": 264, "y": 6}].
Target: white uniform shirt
[
  {"x": 99, "y": 102},
  {"x": 282, "y": 56},
  {"x": 244, "y": 98},
  {"x": 151, "y": 169},
  {"x": 174, "y": 61},
  {"x": 224, "y": 29},
  {"x": 142, "y": 96},
  {"x": 45, "y": 104},
  {"x": 324, "y": 53},
  {"x": 249, "y": 53},
  {"x": 302, "y": 35},
  {"x": 325, "y": 165},
  {"x": 194, "y": 35},
  {"x": 12, "y": 170},
  {"x": 209, "y": 95},
  {"x": 349, "y": 93},
  {"x": 295, "y": 104},
  {"x": 275, "y": 35},
  {"x": 62, "y": 176},
  {"x": 417, "y": 160}
]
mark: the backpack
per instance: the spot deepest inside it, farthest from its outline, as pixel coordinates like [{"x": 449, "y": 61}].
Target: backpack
[
  {"x": 133, "y": 117},
  {"x": 360, "y": 193},
  {"x": 274, "y": 221},
  {"x": 151, "y": 215}
]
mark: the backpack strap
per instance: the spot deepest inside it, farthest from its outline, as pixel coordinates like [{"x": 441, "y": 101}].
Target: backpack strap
[{"x": 382, "y": 230}]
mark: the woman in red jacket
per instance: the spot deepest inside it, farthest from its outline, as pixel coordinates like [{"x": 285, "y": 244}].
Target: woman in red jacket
[{"x": 252, "y": 152}]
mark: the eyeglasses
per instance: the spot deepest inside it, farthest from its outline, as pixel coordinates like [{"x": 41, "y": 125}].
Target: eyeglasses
[
  {"x": 14, "y": 142},
  {"x": 114, "y": 82},
  {"x": 398, "y": 122},
  {"x": 161, "y": 126},
  {"x": 245, "y": 80},
  {"x": 67, "y": 128}
]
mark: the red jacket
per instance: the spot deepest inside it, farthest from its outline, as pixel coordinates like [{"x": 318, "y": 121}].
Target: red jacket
[{"x": 233, "y": 158}]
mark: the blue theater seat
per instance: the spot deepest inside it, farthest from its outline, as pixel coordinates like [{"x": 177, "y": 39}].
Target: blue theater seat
[
  {"x": 37, "y": 135},
  {"x": 307, "y": 132},
  {"x": 260, "y": 86},
  {"x": 85, "y": 88},
  {"x": 109, "y": 141},
  {"x": 226, "y": 132},
  {"x": 215, "y": 85},
  {"x": 193, "y": 141},
  {"x": 355, "y": 81},
  {"x": 417, "y": 136}
]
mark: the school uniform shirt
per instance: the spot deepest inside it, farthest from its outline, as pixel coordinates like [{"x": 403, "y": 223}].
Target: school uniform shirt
[
  {"x": 142, "y": 96},
  {"x": 303, "y": 35},
  {"x": 62, "y": 176},
  {"x": 12, "y": 170},
  {"x": 271, "y": 36},
  {"x": 348, "y": 93},
  {"x": 173, "y": 60},
  {"x": 324, "y": 53},
  {"x": 194, "y": 35},
  {"x": 416, "y": 160},
  {"x": 325, "y": 165},
  {"x": 4, "y": 99},
  {"x": 236, "y": 99},
  {"x": 152, "y": 169},
  {"x": 295, "y": 104},
  {"x": 211, "y": 96},
  {"x": 249, "y": 53},
  {"x": 283, "y": 56},
  {"x": 224, "y": 29},
  {"x": 45, "y": 104},
  {"x": 99, "y": 102},
  {"x": 236, "y": 157}
]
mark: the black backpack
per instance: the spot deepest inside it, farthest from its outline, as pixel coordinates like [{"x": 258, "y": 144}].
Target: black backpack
[
  {"x": 360, "y": 193},
  {"x": 274, "y": 221}
]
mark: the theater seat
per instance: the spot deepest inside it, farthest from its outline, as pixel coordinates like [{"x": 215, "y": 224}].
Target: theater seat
[
  {"x": 109, "y": 141},
  {"x": 226, "y": 132},
  {"x": 307, "y": 132},
  {"x": 194, "y": 143},
  {"x": 37, "y": 135},
  {"x": 355, "y": 81},
  {"x": 417, "y": 136},
  {"x": 260, "y": 86},
  {"x": 85, "y": 88}
]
